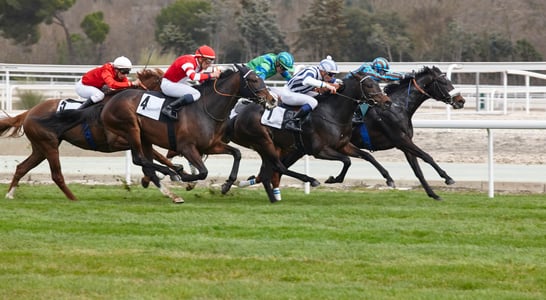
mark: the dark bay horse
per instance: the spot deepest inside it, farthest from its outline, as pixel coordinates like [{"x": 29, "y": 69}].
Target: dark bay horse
[
  {"x": 326, "y": 135},
  {"x": 45, "y": 138},
  {"x": 199, "y": 129},
  {"x": 392, "y": 127}
]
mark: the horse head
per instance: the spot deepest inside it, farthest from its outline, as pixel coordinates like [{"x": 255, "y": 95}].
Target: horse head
[
  {"x": 434, "y": 84},
  {"x": 249, "y": 86},
  {"x": 370, "y": 91},
  {"x": 150, "y": 79},
  {"x": 254, "y": 87}
]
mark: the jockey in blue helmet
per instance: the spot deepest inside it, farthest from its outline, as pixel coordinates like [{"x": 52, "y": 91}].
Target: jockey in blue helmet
[{"x": 380, "y": 71}]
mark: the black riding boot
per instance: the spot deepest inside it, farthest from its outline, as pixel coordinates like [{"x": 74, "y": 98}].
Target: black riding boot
[
  {"x": 171, "y": 110},
  {"x": 294, "y": 123},
  {"x": 87, "y": 103}
]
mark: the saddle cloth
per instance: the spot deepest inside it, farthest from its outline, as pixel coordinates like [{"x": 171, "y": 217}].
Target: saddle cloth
[{"x": 68, "y": 104}]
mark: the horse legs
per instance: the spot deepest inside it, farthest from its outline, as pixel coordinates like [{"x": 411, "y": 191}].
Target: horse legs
[
  {"x": 22, "y": 169},
  {"x": 416, "y": 151},
  {"x": 236, "y": 153},
  {"x": 412, "y": 160},
  {"x": 354, "y": 151}
]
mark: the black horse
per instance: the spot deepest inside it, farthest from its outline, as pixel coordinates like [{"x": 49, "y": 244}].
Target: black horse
[
  {"x": 392, "y": 127},
  {"x": 326, "y": 134}
]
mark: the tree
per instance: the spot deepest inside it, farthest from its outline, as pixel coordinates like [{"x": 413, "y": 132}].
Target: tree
[
  {"x": 259, "y": 29},
  {"x": 323, "y": 30},
  {"x": 19, "y": 19},
  {"x": 96, "y": 30},
  {"x": 182, "y": 26},
  {"x": 524, "y": 51}
]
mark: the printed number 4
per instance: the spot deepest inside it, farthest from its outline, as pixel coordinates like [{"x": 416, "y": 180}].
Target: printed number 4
[{"x": 144, "y": 103}]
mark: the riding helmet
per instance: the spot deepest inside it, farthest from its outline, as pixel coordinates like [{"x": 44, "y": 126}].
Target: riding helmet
[
  {"x": 122, "y": 62},
  {"x": 206, "y": 52},
  {"x": 380, "y": 65},
  {"x": 328, "y": 65},
  {"x": 286, "y": 60}
]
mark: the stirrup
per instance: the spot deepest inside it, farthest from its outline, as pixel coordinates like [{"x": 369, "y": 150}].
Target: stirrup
[
  {"x": 172, "y": 114},
  {"x": 293, "y": 125}
]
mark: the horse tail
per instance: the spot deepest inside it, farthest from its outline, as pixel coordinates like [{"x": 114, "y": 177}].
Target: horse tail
[{"x": 12, "y": 126}]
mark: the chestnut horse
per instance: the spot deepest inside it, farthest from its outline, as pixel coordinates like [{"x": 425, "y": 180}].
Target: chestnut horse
[
  {"x": 198, "y": 130},
  {"x": 325, "y": 135},
  {"x": 45, "y": 138}
]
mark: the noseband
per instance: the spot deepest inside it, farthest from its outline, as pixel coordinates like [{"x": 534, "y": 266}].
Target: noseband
[
  {"x": 368, "y": 98},
  {"x": 445, "y": 96}
]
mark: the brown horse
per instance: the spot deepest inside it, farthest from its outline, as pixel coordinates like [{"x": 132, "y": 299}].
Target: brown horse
[
  {"x": 45, "y": 139},
  {"x": 198, "y": 130},
  {"x": 325, "y": 135}
]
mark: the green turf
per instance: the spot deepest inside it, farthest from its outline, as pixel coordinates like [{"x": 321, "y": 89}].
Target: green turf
[{"x": 341, "y": 244}]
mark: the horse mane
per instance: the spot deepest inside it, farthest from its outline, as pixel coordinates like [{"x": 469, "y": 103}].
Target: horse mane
[
  {"x": 210, "y": 83},
  {"x": 147, "y": 73},
  {"x": 392, "y": 87}
]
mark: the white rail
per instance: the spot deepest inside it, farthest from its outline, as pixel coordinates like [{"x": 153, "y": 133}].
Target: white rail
[{"x": 483, "y": 124}]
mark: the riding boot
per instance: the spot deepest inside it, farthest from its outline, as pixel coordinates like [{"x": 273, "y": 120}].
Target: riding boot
[
  {"x": 294, "y": 123},
  {"x": 87, "y": 103},
  {"x": 171, "y": 110}
]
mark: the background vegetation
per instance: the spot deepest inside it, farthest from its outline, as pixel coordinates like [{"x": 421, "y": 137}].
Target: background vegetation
[
  {"x": 352, "y": 244},
  {"x": 91, "y": 32}
]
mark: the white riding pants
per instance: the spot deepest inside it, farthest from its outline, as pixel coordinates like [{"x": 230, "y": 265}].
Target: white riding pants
[
  {"x": 294, "y": 99},
  {"x": 89, "y": 92},
  {"x": 178, "y": 89}
]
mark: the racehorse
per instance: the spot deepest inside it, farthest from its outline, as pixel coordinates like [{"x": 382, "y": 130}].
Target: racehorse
[
  {"x": 198, "y": 130},
  {"x": 326, "y": 135},
  {"x": 392, "y": 128},
  {"x": 45, "y": 138}
]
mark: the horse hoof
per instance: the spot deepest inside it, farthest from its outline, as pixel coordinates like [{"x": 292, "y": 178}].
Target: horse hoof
[
  {"x": 315, "y": 183},
  {"x": 145, "y": 182},
  {"x": 391, "y": 184},
  {"x": 450, "y": 181},
  {"x": 176, "y": 177},
  {"x": 226, "y": 187},
  {"x": 191, "y": 185},
  {"x": 330, "y": 179},
  {"x": 178, "y": 201}
]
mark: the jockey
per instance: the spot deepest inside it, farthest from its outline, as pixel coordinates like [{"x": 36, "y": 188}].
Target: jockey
[
  {"x": 269, "y": 64},
  {"x": 380, "y": 71},
  {"x": 175, "y": 82},
  {"x": 113, "y": 75},
  {"x": 304, "y": 86}
]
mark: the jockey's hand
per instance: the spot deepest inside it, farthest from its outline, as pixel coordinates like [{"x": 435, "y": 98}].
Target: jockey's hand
[
  {"x": 331, "y": 88},
  {"x": 106, "y": 89},
  {"x": 215, "y": 72},
  {"x": 136, "y": 83}
]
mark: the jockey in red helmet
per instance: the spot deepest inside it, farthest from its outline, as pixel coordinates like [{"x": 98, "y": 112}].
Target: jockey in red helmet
[{"x": 186, "y": 68}]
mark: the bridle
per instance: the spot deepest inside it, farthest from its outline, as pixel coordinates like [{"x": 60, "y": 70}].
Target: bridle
[
  {"x": 253, "y": 91},
  {"x": 445, "y": 97},
  {"x": 368, "y": 97}
]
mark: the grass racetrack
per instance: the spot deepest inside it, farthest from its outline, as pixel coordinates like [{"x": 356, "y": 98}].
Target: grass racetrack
[{"x": 331, "y": 244}]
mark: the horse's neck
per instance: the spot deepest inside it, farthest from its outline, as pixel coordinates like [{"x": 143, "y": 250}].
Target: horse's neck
[
  {"x": 337, "y": 109},
  {"x": 218, "y": 107},
  {"x": 410, "y": 102}
]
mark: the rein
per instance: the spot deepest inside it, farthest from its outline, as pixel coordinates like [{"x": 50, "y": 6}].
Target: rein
[
  {"x": 253, "y": 91},
  {"x": 446, "y": 99}
]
